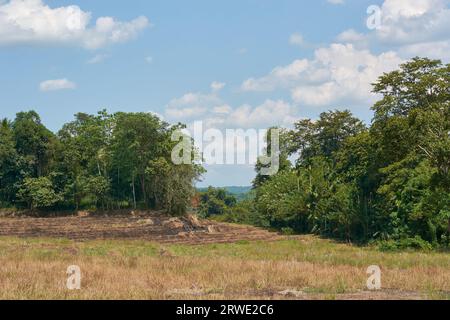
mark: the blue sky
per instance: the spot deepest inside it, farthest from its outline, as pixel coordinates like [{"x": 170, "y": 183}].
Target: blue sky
[{"x": 272, "y": 61}]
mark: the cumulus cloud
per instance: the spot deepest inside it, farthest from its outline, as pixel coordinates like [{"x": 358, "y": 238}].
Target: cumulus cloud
[
  {"x": 416, "y": 27},
  {"x": 434, "y": 49},
  {"x": 217, "y": 86},
  {"x": 414, "y": 21},
  {"x": 34, "y": 22},
  {"x": 269, "y": 113},
  {"x": 337, "y": 74},
  {"x": 57, "y": 84},
  {"x": 216, "y": 113},
  {"x": 342, "y": 73},
  {"x": 280, "y": 76},
  {"x": 353, "y": 37},
  {"x": 410, "y": 27},
  {"x": 224, "y": 129},
  {"x": 351, "y": 73},
  {"x": 157, "y": 114},
  {"x": 191, "y": 106}
]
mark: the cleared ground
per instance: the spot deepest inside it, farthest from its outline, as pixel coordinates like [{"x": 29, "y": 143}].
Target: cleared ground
[
  {"x": 141, "y": 226},
  {"x": 125, "y": 262}
]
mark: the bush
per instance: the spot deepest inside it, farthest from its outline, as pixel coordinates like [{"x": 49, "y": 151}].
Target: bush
[
  {"x": 288, "y": 231},
  {"x": 407, "y": 243},
  {"x": 38, "y": 193}
]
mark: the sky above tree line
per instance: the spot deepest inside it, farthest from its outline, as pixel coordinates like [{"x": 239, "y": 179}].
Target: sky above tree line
[{"x": 232, "y": 64}]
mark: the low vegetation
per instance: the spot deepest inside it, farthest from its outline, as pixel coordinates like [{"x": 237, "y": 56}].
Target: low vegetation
[{"x": 303, "y": 267}]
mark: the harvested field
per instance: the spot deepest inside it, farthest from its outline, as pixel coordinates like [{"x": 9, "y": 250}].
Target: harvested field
[
  {"x": 149, "y": 227},
  {"x": 155, "y": 257},
  {"x": 299, "y": 268}
]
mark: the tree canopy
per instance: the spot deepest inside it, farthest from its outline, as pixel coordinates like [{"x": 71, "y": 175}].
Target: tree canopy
[
  {"x": 105, "y": 161},
  {"x": 386, "y": 181}
]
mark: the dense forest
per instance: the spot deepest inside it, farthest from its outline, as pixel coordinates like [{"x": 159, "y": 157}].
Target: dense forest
[
  {"x": 388, "y": 181},
  {"x": 99, "y": 161}
]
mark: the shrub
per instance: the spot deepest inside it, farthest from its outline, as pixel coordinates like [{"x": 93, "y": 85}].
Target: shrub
[{"x": 407, "y": 243}]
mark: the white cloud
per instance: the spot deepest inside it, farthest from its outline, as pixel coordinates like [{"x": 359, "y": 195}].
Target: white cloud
[
  {"x": 160, "y": 116},
  {"x": 223, "y": 109},
  {"x": 280, "y": 76},
  {"x": 57, "y": 84},
  {"x": 34, "y": 22},
  {"x": 217, "y": 86},
  {"x": 215, "y": 113},
  {"x": 352, "y": 36},
  {"x": 269, "y": 113},
  {"x": 337, "y": 74},
  {"x": 191, "y": 106},
  {"x": 409, "y": 27},
  {"x": 222, "y": 117},
  {"x": 415, "y": 28},
  {"x": 351, "y": 74},
  {"x": 435, "y": 50},
  {"x": 414, "y": 21}
]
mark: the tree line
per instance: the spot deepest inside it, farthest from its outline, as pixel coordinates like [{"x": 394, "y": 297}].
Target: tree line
[
  {"x": 103, "y": 161},
  {"x": 387, "y": 181}
]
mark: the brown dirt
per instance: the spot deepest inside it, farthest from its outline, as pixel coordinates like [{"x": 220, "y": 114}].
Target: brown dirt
[{"x": 150, "y": 227}]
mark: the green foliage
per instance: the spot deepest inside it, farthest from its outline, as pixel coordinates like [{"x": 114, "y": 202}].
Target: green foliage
[
  {"x": 388, "y": 182},
  {"x": 96, "y": 161},
  {"x": 283, "y": 155},
  {"x": 240, "y": 193},
  {"x": 244, "y": 212},
  {"x": 38, "y": 193},
  {"x": 33, "y": 142},
  {"x": 9, "y": 164},
  {"x": 216, "y": 201},
  {"x": 287, "y": 231},
  {"x": 281, "y": 202},
  {"x": 325, "y": 136},
  {"x": 405, "y": 243}
]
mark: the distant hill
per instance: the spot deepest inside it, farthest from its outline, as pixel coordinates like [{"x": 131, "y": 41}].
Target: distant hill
[{"x": 240, "y": 192}]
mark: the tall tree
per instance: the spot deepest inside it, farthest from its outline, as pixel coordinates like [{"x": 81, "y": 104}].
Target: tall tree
[
  {"x": 10, "y": 171},
  {"x": 33, "y": 141}
]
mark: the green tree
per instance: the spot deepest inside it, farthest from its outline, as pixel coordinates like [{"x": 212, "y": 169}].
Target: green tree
[
  {"x": 38, "y": 193},
  {"x": 412, "y": 145},
  {"x": 216, "y": 201},
  {"x": 139, "y": 138},
  {"x": 10, "y": 171},
  {"x": 390, "y": 181},
  {"x": 325, "y": 136},
  {"x": 33, "y": 142}
]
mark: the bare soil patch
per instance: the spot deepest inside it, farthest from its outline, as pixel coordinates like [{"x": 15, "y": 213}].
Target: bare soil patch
[{"x": 149, "y": 226}]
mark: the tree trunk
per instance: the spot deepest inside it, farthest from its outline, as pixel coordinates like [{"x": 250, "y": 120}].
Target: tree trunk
[
  {"x": 134, "y": 195},
  {"x": 144, "y": 195}
]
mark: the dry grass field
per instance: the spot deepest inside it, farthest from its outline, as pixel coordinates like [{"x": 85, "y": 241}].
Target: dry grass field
[{"x": 275, "y": 267}]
